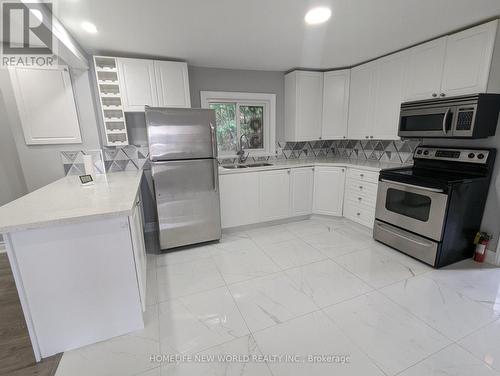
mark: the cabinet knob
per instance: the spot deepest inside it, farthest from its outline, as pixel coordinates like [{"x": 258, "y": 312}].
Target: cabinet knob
[
  {"x": 288, "y": 172},
  {"x": 358, "y": 214},
  {"x": 371, "y": 136},
  {"x": 343, "y": 170},
  {"x": 442, "y": 94},
  {"x": 359, "y": 198},
  {"x": 320, "y": 138},
  {"x": 361, "y": 175},
  {"x": 434, "y": 95},
  {"x": 360, "y": 187},
  {"x": 366, "y": 136},
  {"x": 345, "y": 136}
]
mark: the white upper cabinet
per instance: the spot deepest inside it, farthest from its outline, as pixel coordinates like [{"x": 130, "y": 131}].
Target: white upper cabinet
[
  {"x": 46, "y": 105},
  {"x": 388, "y": 94},
  {"x": 360, "y": 123},
  {"x": 335, "y": 104},
  {"x": 153, "y": 83},
  {"x": 457, "y": 64},
  {"x": 301, "y": 186},
  {"x": 328, "y": 190},
  {"x": 303, "y": 105},
  {"x": 425, "y": 70},
  {"x": 468, "y": 59},
  {"x": 137, "y": 78},
  {"x": 172, "y": 83}
]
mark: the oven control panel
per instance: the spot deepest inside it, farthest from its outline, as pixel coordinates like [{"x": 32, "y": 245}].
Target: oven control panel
[{"x": 447, "y": 154}]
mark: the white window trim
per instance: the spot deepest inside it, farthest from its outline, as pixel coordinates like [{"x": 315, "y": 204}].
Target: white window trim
[{"x": 248, "y": 98}]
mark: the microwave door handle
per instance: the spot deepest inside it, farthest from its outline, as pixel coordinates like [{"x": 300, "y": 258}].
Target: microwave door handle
[{"x": 445, "y": 118}]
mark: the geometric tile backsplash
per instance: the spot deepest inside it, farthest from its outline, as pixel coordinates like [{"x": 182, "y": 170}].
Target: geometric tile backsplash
[{"x": 134, "y": 157}]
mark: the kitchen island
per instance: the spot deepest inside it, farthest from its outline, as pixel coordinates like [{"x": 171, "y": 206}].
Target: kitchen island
[{"x": 78, "y": 258}]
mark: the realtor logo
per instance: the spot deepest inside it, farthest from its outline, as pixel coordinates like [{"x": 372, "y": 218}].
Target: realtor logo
[{"x": 27, "y": 38}]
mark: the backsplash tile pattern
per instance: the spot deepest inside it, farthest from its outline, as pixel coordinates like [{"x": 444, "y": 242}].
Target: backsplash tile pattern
[
  {"x": 73, "y": 161},
  {"x": 134, "y": 157}
]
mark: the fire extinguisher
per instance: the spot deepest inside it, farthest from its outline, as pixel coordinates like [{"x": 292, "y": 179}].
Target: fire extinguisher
[{"x": 481, "y": 241}]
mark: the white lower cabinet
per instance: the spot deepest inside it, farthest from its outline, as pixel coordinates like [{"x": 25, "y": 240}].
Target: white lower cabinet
[
  {"x": 302, "y": 187},
  {"x": 239, "y": 199},
  {"x": 328, "y": 190},
  {"x": 253, "y": 197},
  {"x": 274, "y": 195},
  {"x": 139, "y": 247}
]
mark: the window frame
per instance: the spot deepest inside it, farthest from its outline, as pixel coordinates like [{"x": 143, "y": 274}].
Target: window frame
[{"x": 268, "y": 101}]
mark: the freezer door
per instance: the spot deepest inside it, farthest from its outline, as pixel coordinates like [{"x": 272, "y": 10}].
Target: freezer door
[
  {"x": 180, "y": 133},
  {"x": 187, "y": 199}
]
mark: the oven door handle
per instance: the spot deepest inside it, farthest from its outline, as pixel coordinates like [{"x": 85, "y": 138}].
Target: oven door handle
[
  {"x": 397, "y": 233},
  {"x": 445, "y": 118},
  {"x": 437, "y": 190}
]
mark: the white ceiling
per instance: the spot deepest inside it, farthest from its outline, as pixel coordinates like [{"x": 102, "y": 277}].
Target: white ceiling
[{"x": 265, "y": 34}]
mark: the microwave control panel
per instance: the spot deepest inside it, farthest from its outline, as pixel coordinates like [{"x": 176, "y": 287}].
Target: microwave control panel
[
  {"x": 465, "y": 118},
  {"x": 448, "y": 154}
]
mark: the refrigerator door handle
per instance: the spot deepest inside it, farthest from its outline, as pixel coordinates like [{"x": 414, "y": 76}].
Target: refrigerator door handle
[
  {"x": 216, "y": 175},
  {"x": 214, "y": 140}
]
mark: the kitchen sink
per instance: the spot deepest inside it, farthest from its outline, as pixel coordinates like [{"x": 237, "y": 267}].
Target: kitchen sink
[{"x": 262, "y": 164}]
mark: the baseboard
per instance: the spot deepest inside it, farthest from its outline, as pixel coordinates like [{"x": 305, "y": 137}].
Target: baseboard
[
  {"x": 228, "y": 230},
  {"x": 492, "y": 257}
]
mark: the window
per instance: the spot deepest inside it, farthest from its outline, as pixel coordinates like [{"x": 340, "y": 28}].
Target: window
[{"x": 243, "y": 116}]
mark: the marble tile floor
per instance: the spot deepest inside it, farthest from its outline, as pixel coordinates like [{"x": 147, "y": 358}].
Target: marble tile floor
[{"x": 315, "y": 297}]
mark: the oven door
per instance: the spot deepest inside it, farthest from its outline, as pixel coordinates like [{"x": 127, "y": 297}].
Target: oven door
[
  {"x": 426, "y": 122},
  {"x": 420, "y": 210}
]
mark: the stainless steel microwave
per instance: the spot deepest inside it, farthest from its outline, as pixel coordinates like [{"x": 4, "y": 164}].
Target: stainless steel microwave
[{"x": 469, "y": 116}]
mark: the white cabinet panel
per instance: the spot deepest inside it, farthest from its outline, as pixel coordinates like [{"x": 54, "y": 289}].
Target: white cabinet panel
[
  {"x": 138, "y": 83},
  {"x": 360, "y": 124},
  {"x": 172, "y": 84},
  {"x": 328, "y": 190},
  {"x": 468, "y": 59},
  {"x": 389, "y": 90},
  {"x": 302, "y": 186},
  {"x": 274, "y": 195},
  {"x": 335, "y": 104},
  {"x": 139, "y": 247},
  {"x": 46, "y": 105},
  {"x": 425, "y": 70},
  {"x": 303, "y": 105},
  {"x": 239, "y": 195}
]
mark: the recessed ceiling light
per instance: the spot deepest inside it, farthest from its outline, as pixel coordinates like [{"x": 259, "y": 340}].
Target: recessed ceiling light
[
  {"x": 318, "y": 15},
  {"x": 89, "y": 27}
]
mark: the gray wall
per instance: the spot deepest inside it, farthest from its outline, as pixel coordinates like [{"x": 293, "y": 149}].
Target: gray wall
[
  {"x": 41, "y": 164},
  {"x": 12, "y": 183},
  {"x": 251, "y": 81}
]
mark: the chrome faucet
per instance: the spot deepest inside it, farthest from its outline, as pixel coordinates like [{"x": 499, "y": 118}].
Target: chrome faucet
[{"x": 241, "y": 152}]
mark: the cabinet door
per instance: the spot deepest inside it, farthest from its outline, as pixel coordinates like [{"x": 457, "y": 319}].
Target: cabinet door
[
  {"x": 328, "y": 190},
  {"x": 138, "y": 83},
  {"x": 239, "y": 199},
  {"x": 360, "y": 102},
  {"x": 172, "y": 83},
  {"x": 139, "y": 247},
  {"x": 46, "y": 105},
  {"x": 309, "y": 92},
  {"x": 468, "y": 59},
  {"x": 425, "y": 70},
  {"x": 335, "y": 104},
  {"x": 302, "y": 185},
  {"x": 274, "y": 195},
  {"x": 388, "y": 94}
]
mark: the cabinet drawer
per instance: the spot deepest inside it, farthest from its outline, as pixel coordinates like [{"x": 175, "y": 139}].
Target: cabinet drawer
[
  {"x": 359, "y": 213},
  {"x": 362, "y": 175},
  {"x": 368, "y": 200},
  {"x": 360, "y": 187}
]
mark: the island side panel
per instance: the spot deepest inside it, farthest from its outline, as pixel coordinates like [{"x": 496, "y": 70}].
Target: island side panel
[{"x": 79, "y": 282}]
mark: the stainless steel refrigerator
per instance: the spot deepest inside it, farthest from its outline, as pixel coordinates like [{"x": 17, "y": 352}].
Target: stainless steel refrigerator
[{"x": 183, "y": 154}]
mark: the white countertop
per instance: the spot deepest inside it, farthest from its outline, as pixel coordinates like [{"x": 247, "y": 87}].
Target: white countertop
[
  {"x": 309, "y": 162},
  {"x": 67, "y": 201}
]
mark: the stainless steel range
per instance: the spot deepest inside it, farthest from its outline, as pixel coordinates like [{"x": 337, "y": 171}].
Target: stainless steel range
[{"x": 431, "y": 211}]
